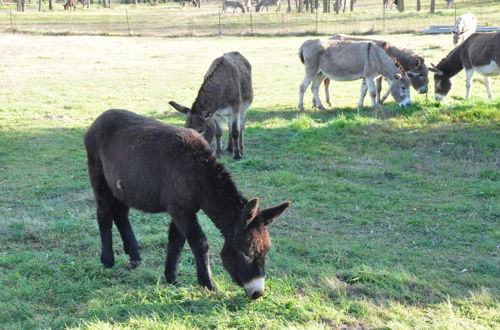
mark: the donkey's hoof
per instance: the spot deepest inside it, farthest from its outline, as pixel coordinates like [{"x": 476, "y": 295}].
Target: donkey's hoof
[
  {"x": 135, "y": 263},
  {"x": 237, "y": 157},
  {"x": 174, "y": 283},
  {"x": 108, "y": 262},
  {"x": 210, "y": 287}
]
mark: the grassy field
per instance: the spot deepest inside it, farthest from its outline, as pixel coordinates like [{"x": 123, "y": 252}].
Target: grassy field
[
  {"x": 394, "y": 222},
  {"x": 170, "y": 20}
]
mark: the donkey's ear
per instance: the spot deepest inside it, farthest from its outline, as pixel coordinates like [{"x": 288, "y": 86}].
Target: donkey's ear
[
  {"x": 250, "y": 211},
  {"x": 271, "y": 214},
  {"x": 179, "y": 107},
  {"x": 398, "y": 76},
  {"x": 435, "y": 70}
]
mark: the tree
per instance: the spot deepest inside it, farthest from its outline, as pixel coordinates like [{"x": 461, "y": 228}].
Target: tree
[
  {"x": 401, "y": 5},
  {"x": 20, "y": 5},
  {"x": 418, "y": 5},
  {"x": 433, "y": 6}
]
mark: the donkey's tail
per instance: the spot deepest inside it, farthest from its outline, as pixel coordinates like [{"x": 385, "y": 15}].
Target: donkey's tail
[{"x": 301, "y": 55}]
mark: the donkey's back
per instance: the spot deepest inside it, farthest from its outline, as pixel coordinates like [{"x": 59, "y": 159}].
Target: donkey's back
[{"x": 141, "y": 160}]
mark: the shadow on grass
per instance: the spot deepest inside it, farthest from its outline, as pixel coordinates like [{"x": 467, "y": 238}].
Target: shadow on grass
[{"x": 383, "y": 208}]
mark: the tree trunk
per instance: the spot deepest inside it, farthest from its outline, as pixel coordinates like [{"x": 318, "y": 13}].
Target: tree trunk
[
  {"x": 351, "y": 7},
  {"x": 433, "y": 6},
  {"x": 419, "y": 6},
  {"x": 336, "y": 6},
  {"x": 289, "y": 9},
  {"x": 39, "y": 5},
  {"x": 401, "y": 6},
  {"x": 325, "y": 6}
]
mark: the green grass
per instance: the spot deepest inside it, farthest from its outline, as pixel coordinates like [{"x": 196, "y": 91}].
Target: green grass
[{"x": 394, "y": 221}]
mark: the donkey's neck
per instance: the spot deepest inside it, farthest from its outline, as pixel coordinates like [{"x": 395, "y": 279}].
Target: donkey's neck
[
  {"x": 385, "y": 65},
  {"x": 451, "y": 64},
  {"x": 404, "y": 57},
  {"x": 220, "y": 199}
]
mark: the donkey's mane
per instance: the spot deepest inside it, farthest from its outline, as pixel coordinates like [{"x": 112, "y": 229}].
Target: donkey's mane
[
  {"x": 385, "y": 46},
  {"x": 449, "y": 55},
  {"x": 219, "y": 174},
  {"x": 208, "y": 79}
]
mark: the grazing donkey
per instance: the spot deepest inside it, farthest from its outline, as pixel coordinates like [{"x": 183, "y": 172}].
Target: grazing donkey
[
  {"x": 346, "y": 61},
  {"x": 413, "y": 64},
  {"x": 266, "y": 3},
  {"x": 139, "y": 162},
  {"x": 226, "y": 92},
  {"x": 465, "y": 25},
  {"x": 70, "y": 4},
  {"x": 234, "y": 4},
  {"x": 480, "y": 52}
]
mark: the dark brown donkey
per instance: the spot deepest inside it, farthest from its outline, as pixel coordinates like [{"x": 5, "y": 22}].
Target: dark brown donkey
[
  {"x": 139, "y": 162},
  {"x": 480, "y": 52},
  {"x": 226, "y": 92}
]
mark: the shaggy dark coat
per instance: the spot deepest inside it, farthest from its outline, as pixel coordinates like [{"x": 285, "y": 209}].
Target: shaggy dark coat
[{"x": 139, "y": 162}]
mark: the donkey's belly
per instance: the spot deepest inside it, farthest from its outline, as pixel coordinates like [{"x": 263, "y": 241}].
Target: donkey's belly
[
  {"x": 492, "y": 69},
  {"x": 344, "y": 77}
]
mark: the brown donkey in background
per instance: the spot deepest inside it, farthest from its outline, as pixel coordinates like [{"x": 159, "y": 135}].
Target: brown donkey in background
[{"x": 139, "y": 162}]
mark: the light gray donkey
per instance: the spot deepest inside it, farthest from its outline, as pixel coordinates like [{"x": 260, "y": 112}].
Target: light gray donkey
[{"x": 346, "y": 61}]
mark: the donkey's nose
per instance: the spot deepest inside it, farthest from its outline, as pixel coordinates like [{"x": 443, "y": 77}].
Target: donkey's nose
[
  {"x": 257, "y": 294},
  {"x": 422, "y": 90},
  {"x": 255, "y": 288}
]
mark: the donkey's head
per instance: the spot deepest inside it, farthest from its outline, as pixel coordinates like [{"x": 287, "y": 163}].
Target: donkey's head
[
  {"x": 442, "y": 83},
  {"x": 400, "y": 89},
  {"x": 200, "y": 121},
  {"x": 419, "y": 76},
  {"x": 244, "y": 252}
]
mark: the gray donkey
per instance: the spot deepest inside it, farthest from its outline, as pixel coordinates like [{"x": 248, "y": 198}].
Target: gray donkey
[
  {"x": 413, "y": 64},
  {"x": 347, "y": 61},
  {"x": 234, "y": 4}
]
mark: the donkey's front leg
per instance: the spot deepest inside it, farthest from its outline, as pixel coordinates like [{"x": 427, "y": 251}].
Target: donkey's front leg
[
  {"x": 176, "y": 240},
  {"x": 218, "y": 136},
  {"x": 468, "y": 84},
  {"x": 372, "y": 90},
  {"x": 235, "y": 134},
  {"x": 199, "y": 246},
  {"x": 362, "y": 94},
  {"x": 488, "y": 87}
]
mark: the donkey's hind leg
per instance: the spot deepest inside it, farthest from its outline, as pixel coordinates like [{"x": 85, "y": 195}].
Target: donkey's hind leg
[
  {"x": 130, "y": 245},
  {"x": 176, "y": 240},
  {"x": 303, "y": 87},
  {"x": 317, "y": 80},
  {"x": 326, "y": 83}
]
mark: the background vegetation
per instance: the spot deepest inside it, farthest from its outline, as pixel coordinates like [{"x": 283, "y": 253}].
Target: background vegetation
[
  {"x": 169, "y": 19},
  {"x": 394, "y": 221}
]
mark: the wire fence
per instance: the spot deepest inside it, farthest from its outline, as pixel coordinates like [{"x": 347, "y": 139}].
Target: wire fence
[{"x": 172, "y": 20}]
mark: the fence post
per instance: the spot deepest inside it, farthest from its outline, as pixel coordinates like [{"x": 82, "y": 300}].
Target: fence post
[
  {"x": 455, "y": 5},
  {"x": 383, "y": 18},
  {"x": 251, "y": 21},
  {"x": 11, "y": 25},
  {"x": 316, "y": 19},
  {"x": 128, "y": 25},
  {"x": 219, "y": 22}
]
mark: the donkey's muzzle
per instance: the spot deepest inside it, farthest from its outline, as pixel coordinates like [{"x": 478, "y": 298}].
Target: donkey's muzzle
[
  {"x": 406, "y": 102},
  {"x": 255, "y": 288},
  {"x": 422, "y": 90}
]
